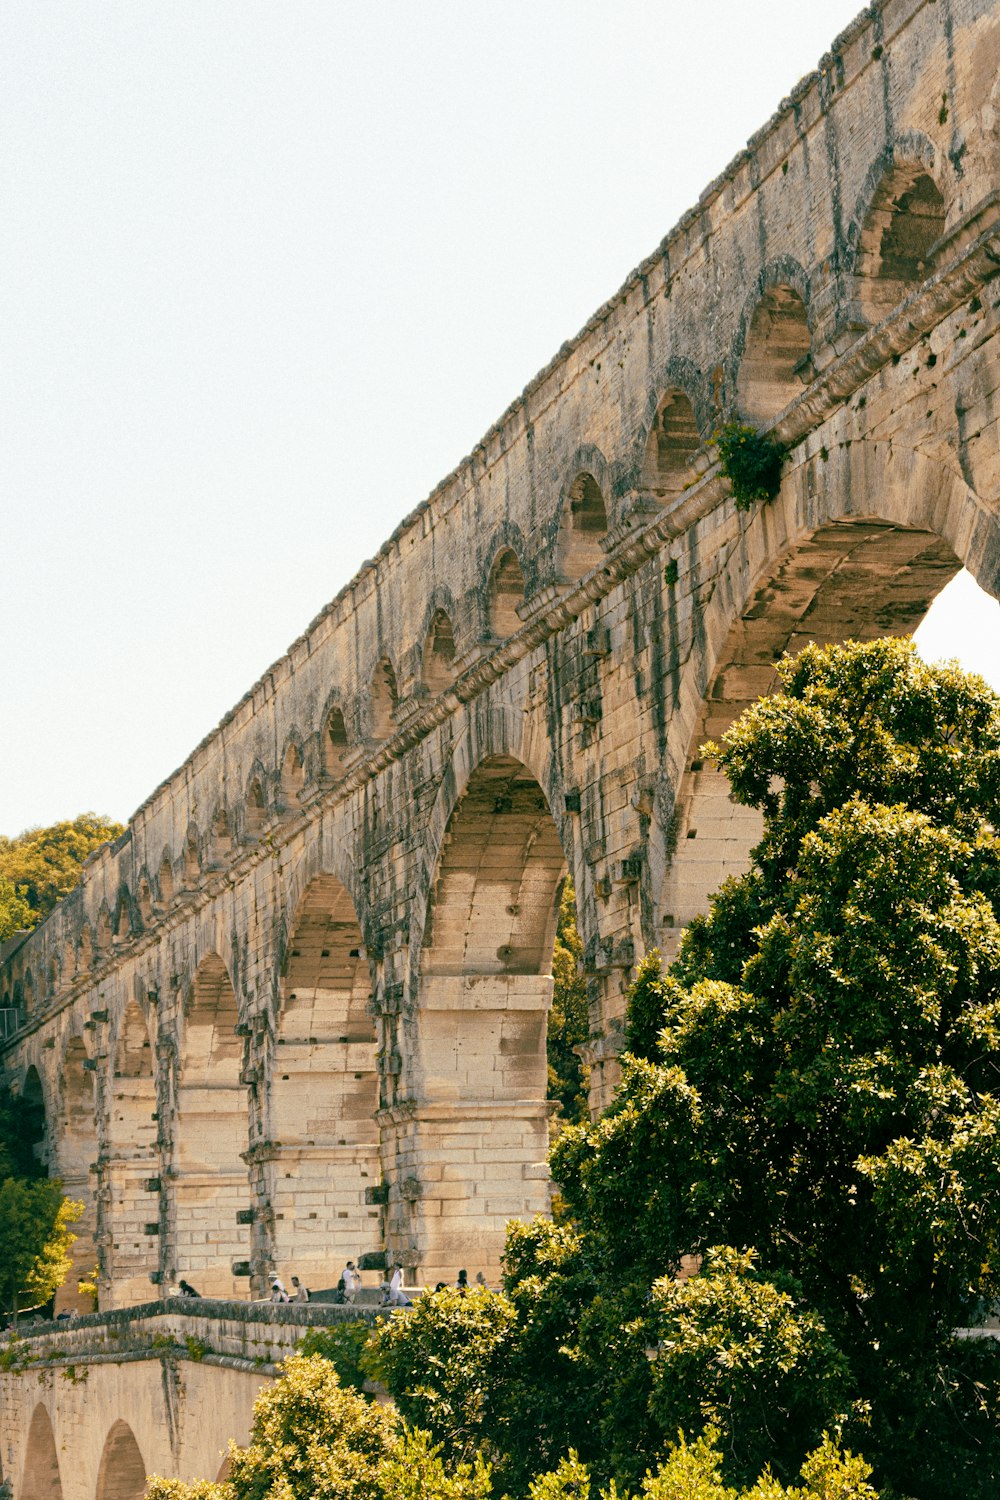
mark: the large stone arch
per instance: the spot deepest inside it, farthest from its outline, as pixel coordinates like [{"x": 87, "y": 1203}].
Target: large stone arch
[
  {"x": 494, "y": 730},
  {"x": 33, "y": 1091},
  {"x": 474, "y": 1153},
  {"x": 132, "y": 1159},
  {"x": 808, "y": 570},
  {"x": 40, "y": 1477},
  {"x": 210, "y": 1190},
  {"x": 76, "y": 1153},
  {"x": 122, "y": 1473},
  {"x": 319, "y": 1161}
]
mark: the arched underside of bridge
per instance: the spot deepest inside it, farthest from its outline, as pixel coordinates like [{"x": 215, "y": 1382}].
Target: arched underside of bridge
[
  {"x": 322, "y": 1162},
  {"x": 854, "y": 579},
  {"x": 212, "y": 1187},
  {"x": 478, "y": 1133},
  {"x": 133, "y": 1160},
  {"x": 76, "y": 1151},
  {"x": 41, "y": 1479},
  {"x": 122, "y": 1475}
]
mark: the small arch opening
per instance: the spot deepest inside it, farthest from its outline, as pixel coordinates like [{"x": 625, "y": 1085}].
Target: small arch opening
[
  {"x": 673, "y": 441},
  {"x": 222, "y": 841},
  {"x": 776, "y": 365},
  {"x": 584, "y": 524},
  {"x": 145, "y": 900},
  {"x": 165, "y": 879},
  {"x": 104, "y": 933},
  {"x": 335, "y": 745},
  {"x": 293, "y": 776},
  {"x": 384, "y": 699},
  {"x": 439, "y": 654},
  {"x": 192, "y": 862},
  {"x": 905, "y": 219},
  {"x": 123, "y": 919},
  {"x": 256, "y": 809},
  {"x": 504, "y": 592}
]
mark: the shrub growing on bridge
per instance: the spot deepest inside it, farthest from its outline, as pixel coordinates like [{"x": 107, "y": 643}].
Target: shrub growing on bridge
[{"x": 751, "y": 462}]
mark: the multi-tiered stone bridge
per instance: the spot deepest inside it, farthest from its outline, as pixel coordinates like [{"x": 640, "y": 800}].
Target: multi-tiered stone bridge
[{"x": 298, "y": 1010}]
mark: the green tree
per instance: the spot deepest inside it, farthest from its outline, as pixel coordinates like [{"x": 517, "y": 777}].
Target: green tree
[
  {"x": 814, "y": 1085},
  {"x": 569, "y": 1018},
  {"x": 35, "y": 1239},
  {"x": 817, "y": 1077},
  {"x": 313, "y": 1440},
  {"x": 41, "y": 865},
  {"x": 15, "y": 912},
  {"x": 446, "y": 1361},
  {"x": 694, "y": 1471}
]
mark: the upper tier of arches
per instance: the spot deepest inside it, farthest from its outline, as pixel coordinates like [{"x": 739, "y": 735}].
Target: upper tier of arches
[{"x": 902, "y": 227}]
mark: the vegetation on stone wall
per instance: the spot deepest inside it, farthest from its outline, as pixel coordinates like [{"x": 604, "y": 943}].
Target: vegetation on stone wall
[
  {"x": 751, "y": 461},
  {"x": 41, "y": 865}
]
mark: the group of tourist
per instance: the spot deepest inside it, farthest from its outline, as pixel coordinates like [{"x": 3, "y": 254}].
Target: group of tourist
[{"x": 348, "y": 1286}]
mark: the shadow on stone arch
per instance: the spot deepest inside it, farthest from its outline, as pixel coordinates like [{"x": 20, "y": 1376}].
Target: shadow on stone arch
[
  {"x": 853, "y": 579},
  {"x": 323, "y": 1096},
  {"x": 211, "y": 1134},
  {"x": 41, "y": 1479},
  {"x": 132, "y": 1159},
  {"x": 122, "y": 1475},
  {"x": 475, "y": 1137}
]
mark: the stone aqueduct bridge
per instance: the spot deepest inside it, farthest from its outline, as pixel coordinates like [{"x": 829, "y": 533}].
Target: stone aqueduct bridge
[{"x": 298, "y": 1010}]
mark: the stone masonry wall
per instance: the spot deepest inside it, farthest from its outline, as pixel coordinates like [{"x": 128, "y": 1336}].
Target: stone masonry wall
[{"x": 297, "y": 1012}]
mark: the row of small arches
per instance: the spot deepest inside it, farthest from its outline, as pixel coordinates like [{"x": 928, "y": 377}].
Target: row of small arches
[{"x": 893, "y": 252}]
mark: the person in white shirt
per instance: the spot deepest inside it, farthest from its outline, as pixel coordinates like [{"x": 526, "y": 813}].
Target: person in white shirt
[
  {"x": 351, "y": 1279},
  {"x": 300, "y": 1293},
  {"x": 278, "y": 1293}
]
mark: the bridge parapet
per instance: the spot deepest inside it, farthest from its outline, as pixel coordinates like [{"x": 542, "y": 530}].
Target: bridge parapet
[{"x": 258, "y": 1334}]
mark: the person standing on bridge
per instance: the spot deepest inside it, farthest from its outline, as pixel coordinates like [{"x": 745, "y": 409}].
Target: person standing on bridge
[
  {"x": 351, "y": 1279},
  {"x": 300, "y": 1292}
]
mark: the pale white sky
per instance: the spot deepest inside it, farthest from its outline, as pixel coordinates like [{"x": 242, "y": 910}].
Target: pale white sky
[{"x": 269, "y": 270}]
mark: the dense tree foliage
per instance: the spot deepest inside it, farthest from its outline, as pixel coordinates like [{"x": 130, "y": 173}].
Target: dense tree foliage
[
  {"x": 35, "y": 1217},
  {"x": 15, "y": 911},
  {"x": 41, "y": 865},
  {"x": 811, "y": 1107},
  {"x": 312, "y": 1439}
]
